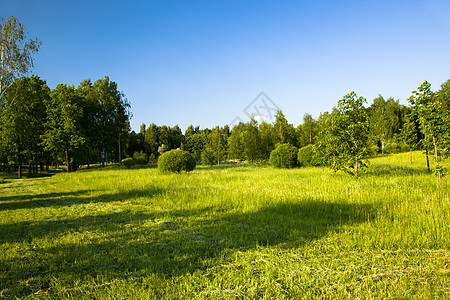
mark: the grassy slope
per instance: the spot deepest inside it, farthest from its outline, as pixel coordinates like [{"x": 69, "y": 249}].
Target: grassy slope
[{"x": 228, "y": 232}]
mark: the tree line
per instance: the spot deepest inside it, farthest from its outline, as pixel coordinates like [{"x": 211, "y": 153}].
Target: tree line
[{"x": 340, "y": 139}]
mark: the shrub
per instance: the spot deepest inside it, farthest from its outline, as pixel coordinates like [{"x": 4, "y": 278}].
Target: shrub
[
  {"x": 128, "y": 162},
  {"x": 284, "y": 156},
  {"x": 207, "y": 157},
  {"x": 176, "y": 161},
  {"x": 152, "y": 158},
  {"x": 306, "y": 156}
]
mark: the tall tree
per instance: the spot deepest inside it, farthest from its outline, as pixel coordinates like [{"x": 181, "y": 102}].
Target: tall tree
[
  {"x": 306, "y": 131},
  {"x": 113, "y": 116},
  {"x": 410, "y": 132},
  {"x": 63, "y": 126},
  {"x": 236, "y": 142},
  {"x": 432, "y": 118},
  {"x": 217, "y": 142},
  {"x": 267, "y": 140},
  {"x": 252, "y": 141},
  {"x": 283, "y": 131},
  {"x": 343, "y": 142},
  {"x": 16, "y": 57},
  {"x": 22, "y": 126}
]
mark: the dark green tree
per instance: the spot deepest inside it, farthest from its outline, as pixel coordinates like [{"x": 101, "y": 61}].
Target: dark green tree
[
  {"x": 22, "y": 125},
  {"x": 63, "y": 126}
]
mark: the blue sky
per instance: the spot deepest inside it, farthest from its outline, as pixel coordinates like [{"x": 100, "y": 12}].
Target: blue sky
[{"x": 203, "y": 62}]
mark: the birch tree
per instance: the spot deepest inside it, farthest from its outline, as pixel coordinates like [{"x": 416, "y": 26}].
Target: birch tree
[{"x": 16, "y": 57}]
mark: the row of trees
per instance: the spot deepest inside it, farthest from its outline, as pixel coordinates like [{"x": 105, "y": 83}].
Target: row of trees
[
  {"x": 254, "y": 142},
  {"x": 79, "y": 125},
  {"x": 341, "y": 139}
]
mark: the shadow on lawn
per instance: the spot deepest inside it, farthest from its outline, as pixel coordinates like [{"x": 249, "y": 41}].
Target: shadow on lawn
[
  {"x": 71, "y": 198},
  {"x": 166, "y": 243}
]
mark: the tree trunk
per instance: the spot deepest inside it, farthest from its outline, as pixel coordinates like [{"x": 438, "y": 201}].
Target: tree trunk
[
  {"x": 67, "y": 161},
  {"x": 410, "y": 155},
  {"x": 88, "y": 161},
  {"x": 103, "y": 156},
  {"x": 120, "y": 155},
  {"x": 356, "y": 168},
  {"x": 19, "y": 169},
  {"x": 436, "y": 156},
  {"x": 426, "y": 154}
]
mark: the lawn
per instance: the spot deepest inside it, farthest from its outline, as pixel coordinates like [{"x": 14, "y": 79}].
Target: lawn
[{"x": 227, "y": 232}]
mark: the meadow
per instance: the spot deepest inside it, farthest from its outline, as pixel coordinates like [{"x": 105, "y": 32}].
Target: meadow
[{"x": 228, "y": 232}]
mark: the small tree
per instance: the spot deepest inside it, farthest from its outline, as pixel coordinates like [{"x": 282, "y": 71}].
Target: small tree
[
  {"x": 176, "y": 161},
  {"x": 284, "y": 156}
]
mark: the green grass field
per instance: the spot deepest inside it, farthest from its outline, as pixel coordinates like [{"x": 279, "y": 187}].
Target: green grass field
[{"x": 228, "y": 232}]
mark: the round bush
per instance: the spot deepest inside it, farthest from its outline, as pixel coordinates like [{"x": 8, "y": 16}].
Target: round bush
[
  {"x": 176, "y": 161},
  {"x": 128, "y": 162},
  {"x": 306, "y": 156},
  {"x": 284, "y": 156}
]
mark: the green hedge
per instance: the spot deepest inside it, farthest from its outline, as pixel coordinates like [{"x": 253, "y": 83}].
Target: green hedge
[{"x": 176, "y": 161}]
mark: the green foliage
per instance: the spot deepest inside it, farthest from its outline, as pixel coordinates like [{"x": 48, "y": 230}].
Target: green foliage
[
  {"x": 217, "y": 142},
  {"x": 141, "y": 158},
  {"x": 63, "y": 127},
  {"x": 128, "y": 162},
  {"x": 15, "y": 57},
  {"x": 207, "y": 157},
  {"x": 343, "y": 142},
  {"x": 176, "y": 161},
  {"x": 152, "y": 158},
  {"x": 306, "y": 156},
  {"x": 283, "y": 132},
  {"x": 284, "y": 156},
  {"x": 252, "y": 141},
  {"x": 236, "y": 142}
]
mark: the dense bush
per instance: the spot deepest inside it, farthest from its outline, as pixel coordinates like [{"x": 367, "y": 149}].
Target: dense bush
[
  {"x": 306, "y": 156},
  {"x": 152, "y": 158},
  {"x": 128, "y": 162},
  {"x": 176, "y": 161},
  {"x": 284, "y": 156}
]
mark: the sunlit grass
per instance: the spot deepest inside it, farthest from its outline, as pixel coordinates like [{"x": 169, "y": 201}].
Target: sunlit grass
[{"x": 228, "y": 232}]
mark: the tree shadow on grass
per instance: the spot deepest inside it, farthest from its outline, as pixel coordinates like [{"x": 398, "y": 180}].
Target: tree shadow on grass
[
  {"x": 71, "y": 198},
  {"x": 164, "y": 243}
]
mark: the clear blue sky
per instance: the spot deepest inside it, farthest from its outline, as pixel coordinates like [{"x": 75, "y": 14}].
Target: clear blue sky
[{"x": 203, "y": 62}]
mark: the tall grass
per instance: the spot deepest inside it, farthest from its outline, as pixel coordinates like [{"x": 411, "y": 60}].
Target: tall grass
[{"x": 228, "y": 232}]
